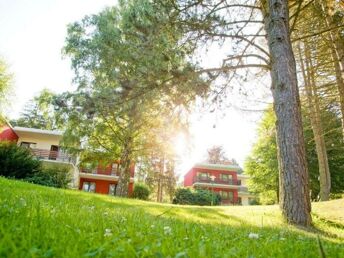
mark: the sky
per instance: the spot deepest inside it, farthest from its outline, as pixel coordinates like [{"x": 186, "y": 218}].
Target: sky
[{"x": 32, "y": 34}]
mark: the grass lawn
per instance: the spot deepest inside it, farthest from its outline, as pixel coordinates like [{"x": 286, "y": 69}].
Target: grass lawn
[{"x": 37, "y": 221}]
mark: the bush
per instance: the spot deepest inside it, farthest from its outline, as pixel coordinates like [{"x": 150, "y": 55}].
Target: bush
[
  {"x": 184, "y": 196},
  {"x": 141, "y": 192},
  {"x": 55, "y": 176},
  {"x": 17, "y": 162},
  {"x": 196, "y": 197}
]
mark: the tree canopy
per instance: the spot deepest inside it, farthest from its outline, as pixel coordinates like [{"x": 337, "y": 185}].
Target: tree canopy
[
  {"x": 5, "y": 87},
  {"x": 133, "y": 81},
  {"x": 40, "y": 113},
  {"x": 262, "y": 164}
]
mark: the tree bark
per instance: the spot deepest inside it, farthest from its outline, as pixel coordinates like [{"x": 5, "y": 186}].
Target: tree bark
[
  {"x": 294, "y": 188},
  {"x": 124, "y": 176},
  {"x": 317, "y": 128}
]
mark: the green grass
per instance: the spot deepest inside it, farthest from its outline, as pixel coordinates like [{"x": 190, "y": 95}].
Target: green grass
[{"x": 37, "y": 221}]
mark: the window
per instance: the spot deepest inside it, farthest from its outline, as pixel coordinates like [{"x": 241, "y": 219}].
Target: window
[
  {"x": 203, "y": 175},
  {"x": 112, "y": 189},
  {"x": 89, "y": 187},
  {"x": 226, "y": 177},
  {"x": 114, "y": 168},
  {"x": 30, "y": 145},
  {"x": 226, "y": 195}
]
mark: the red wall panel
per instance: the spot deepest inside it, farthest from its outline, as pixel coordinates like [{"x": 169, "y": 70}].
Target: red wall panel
[
  {"x": 188, "y": 178},
  {"x": 7, "y": 134},
  {"x": 102, "y": 186}
]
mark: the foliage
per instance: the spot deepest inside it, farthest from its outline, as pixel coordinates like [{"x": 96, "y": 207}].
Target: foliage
[
  {"x": 183, "y": 196},
  {"x": 53, "y": 175},
  {"x": 141, "y": 191},
  {"x": 157, "y": 171},
  {"x": 17, "y": 162},
  {"x": 216, "y": 155},
  {"x": 88, "y": 225},
  {"x": 40, "y": 113},
  {"x": 262, "y": 163},
  {"x": 132, "y": 77},
  {"x": 5, "y": 86},
  {"x": 196, "y": 197}
]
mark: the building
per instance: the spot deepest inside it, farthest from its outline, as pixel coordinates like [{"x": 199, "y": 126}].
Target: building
[
  {"x": 103, "y": 178},
  {"x": 226, "y": 180},
  {"x": 44, "y": 144}
]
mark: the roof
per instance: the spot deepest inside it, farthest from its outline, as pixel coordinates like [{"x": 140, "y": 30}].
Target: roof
[
  {"x": 18, "y": 129},
  {"x": 231, "y": 167}
]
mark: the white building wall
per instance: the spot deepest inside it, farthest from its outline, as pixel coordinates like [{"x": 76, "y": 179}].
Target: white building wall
[
  {"x": 42, "y": 141},
  {"x": 244, "y": 200}
]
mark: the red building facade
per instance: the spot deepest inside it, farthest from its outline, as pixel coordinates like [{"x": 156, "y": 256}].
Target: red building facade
[
  {"x": 225, "y": 180},
  {"x": 44, "y": 144},
  {"x": 8, "y": 134},
  {"x": 103, "y": 179}
]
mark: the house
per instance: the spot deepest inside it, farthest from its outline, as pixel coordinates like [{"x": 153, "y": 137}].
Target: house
[
  {"x": 44, "y": 144},
  {"x": 103, "y": 178},
  {"x": 227, "y": 180}
]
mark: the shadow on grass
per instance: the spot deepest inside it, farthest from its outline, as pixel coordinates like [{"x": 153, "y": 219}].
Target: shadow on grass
[
  {"x": 217, "y": 217},
  {"x": 212, "y": 216}
]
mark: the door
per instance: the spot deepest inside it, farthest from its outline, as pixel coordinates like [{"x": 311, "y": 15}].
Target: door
[{"x": 53, "y": 152}]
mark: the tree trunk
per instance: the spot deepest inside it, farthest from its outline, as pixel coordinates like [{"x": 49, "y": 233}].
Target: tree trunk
[
  {"x": 124, "y": 176},
  {"x": 317, "y": 128},
  {"x": 294, "y": 188},
  {"x": 161, "y": 178}
]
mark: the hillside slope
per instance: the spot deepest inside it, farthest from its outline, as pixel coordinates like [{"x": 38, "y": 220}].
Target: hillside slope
[{"x": 37, "y": 221}]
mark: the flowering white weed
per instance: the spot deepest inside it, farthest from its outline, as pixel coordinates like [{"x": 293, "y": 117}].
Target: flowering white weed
[
  {"x": 22, "y": 202},
  {"x": 253, "y": 236},
  {"x": 107, "y": 232},
  {"x": 167, "y": 230}
]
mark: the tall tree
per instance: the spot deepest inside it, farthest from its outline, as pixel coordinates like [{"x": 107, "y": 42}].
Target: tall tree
[
  {"x": 312, "y": 97},
  {"x": 262, "y": 163},
  {"x": 240, "y": 24},
  {"x": 130, "y": 71},
  {"x": 40, "y": 113},
  {"x": 216, "y": 155},
  {"x": 294, "y": 188},
  {"x": 332, "y": 18}
]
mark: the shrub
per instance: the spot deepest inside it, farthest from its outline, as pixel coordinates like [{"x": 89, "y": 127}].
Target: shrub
[
  {"x": 53, "y": 175},
  {"x": 141, "y": 192},
  {"x": 17, "y": 162},
  {"x": 184, "y": 196},
  {"x": 197, "y": 197}
]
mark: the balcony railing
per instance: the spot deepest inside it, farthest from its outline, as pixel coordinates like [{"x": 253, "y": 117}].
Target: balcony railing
[
  {"x": 216, "y": 181},
  {"x": 52, "y": 155},
  {"x": 98, "y": 171}
]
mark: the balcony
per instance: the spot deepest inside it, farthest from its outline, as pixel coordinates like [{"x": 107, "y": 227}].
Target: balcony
[
  {"x": 102, "y": 174},
  {"x": 99, "y": 171},
  {"x": 217, "y": 182},
  {"x": 49, "y": 155}
]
